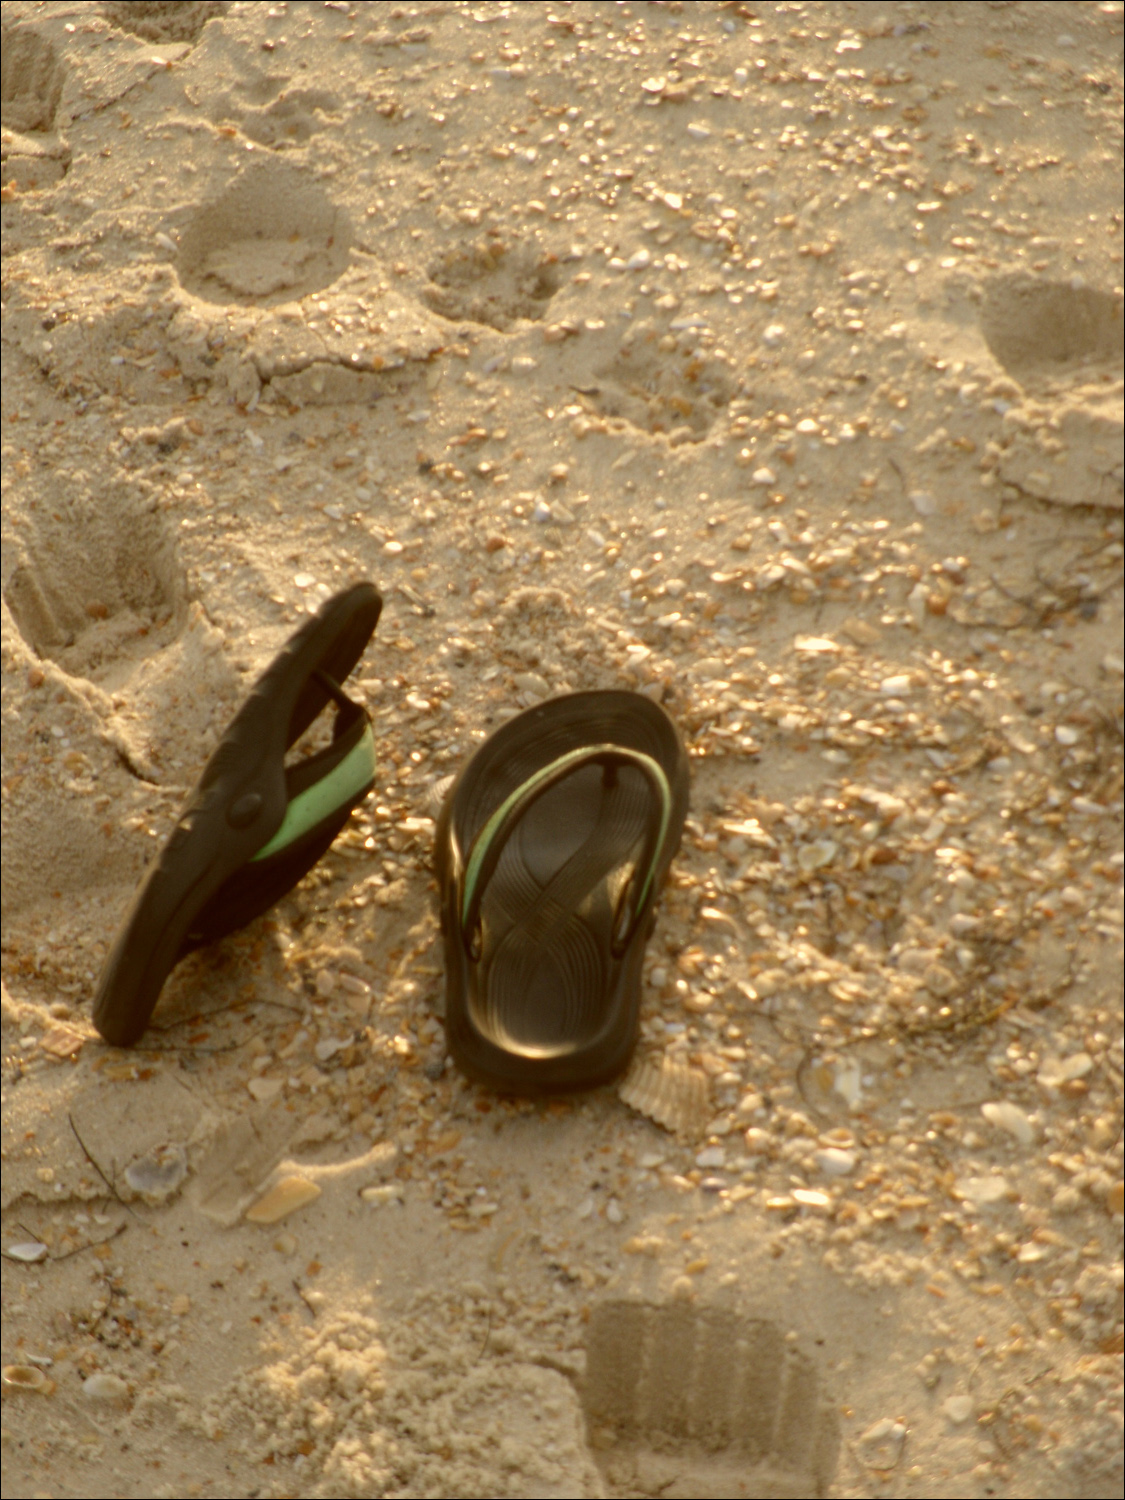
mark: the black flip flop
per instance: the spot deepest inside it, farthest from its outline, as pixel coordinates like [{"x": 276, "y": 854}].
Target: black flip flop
[
  {"x": 551, "y": 848},
  {"x": 252, "y": 827}
]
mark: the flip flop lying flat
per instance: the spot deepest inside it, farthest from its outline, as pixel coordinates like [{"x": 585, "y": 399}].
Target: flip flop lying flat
[
  {"x": 551, "y": 849},
  {"x": 252, "y": 827}
]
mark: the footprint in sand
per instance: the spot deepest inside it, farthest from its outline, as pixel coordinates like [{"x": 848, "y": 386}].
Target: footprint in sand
[
  {"x": 100, "y": 585},
  {"x": 689, "y": 1401},
  {"x": 1063, "y": 343},
  {"x": 1039, "y": 328},
  {"x": 163, "y": 20},
  {"x": 491, "y": 282},
  {"x": 272, "y": 236},
  {"x": 31, "y": 81},
  {"x": 97, "y": 587},
  {"x": 34, "y": 157},
  {"x": 678, "y": 394}
]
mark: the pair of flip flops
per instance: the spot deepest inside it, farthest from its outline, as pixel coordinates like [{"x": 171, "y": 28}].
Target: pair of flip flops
[{"x": 551, "y": 848}]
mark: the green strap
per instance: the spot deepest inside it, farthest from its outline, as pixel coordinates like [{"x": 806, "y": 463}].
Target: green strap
[
  {"x": 557, "y": 768},
  {"x": 341, "y": 785}
]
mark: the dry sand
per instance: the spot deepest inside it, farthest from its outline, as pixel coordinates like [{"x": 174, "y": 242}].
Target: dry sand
[{"x": 766, "y": 359}]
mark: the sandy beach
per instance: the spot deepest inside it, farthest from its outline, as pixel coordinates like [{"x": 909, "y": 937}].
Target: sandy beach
[{"x": 762, "y": 359}]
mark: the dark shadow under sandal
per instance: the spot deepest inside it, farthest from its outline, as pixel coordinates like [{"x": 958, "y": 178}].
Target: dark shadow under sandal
[
  {"x": 551, "y": 849},
  {"x": 253, "y": 826}
]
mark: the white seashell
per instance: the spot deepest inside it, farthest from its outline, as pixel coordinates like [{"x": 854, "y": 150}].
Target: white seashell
[
  {"x": 667, "y": 1092},
  {"x": 816, "y": 855},
  {"x": 982, "y": 1191},
  {"x": 1055, "y": 1071},
  {"x": 29, "y": 1251}
]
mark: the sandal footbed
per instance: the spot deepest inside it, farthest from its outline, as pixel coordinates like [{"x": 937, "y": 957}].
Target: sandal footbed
[{"x": 547, "y": 1006}]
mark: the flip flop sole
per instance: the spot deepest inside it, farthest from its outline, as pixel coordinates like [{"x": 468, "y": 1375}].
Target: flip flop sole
[{"x": 251, "y": 828}]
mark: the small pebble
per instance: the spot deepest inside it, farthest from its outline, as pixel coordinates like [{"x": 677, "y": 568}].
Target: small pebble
[
  {"x": 834, "y": 1162},
  {"x": 881, "y": 1445},
  {"x": 811, "y": 1198},
  {"x": 377, "y": 1196},
  {"x": 102, "y": 1386},
  {"x": 1009, "y": 1117},
  {"x": 983, "y": 1191},
  {"x": 711, "y": 1156},
  {"x": 264, "y": 1089},
  {"x": 958, "y": 1409}
]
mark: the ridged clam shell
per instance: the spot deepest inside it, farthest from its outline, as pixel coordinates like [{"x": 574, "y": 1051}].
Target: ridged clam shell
[
  {"x": 436, "y": 793},
  {"x": 670, "y": 1093}
]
